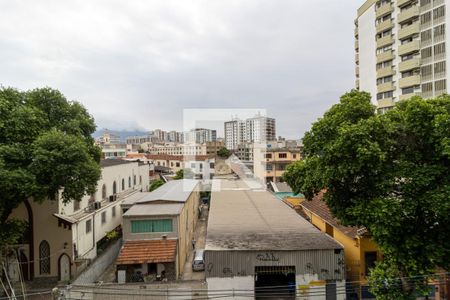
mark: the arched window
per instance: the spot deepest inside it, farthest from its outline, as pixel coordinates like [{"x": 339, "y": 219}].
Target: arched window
[
  {"x": 44, "y": 257},
  {"x": 134, "y": 180},
  {"x": 140, "y": 179},
  {"x": 114, "y": 188},
  {"x": 123, "y": 184},
  {"x": 129, "y": 181},
  {"x": 104, "y": 192}
]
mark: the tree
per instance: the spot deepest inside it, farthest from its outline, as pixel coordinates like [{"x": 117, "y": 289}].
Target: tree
[
  {"x": 184, "y": 174},
  {"x": 390, "y": 173},
  {"x": 45, "y": 147},
  {"x": 224, "y": 152},
  {"x": 155, "y": 184}
]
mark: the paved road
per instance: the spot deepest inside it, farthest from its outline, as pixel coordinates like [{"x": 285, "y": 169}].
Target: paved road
[{"x": 200, "y": 237}]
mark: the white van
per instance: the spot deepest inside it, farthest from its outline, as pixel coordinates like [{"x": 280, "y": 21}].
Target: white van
[{"x": 198, "y": 264}]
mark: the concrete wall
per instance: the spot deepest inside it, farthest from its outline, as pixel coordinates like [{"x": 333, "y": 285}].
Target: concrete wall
[
  {"x": 93, "y": 272},
  {"x": 128, "y": 236}
]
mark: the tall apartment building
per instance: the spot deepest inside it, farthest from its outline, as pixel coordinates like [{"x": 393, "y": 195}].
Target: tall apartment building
[
  {"x": 258, "y": 129},
  {"x": 401, "y": 49},
  {"x": 200, "y": 136}
]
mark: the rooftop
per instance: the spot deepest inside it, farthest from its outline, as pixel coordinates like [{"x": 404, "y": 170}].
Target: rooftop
[
  {"x": 114, "y": 162},
  {"x": 173, "y": 191},
  {"x": 318, "y": 206},
  {"x": 150, "y": 251},
  {"x": 245, "y": 218},
  {"x": 170, "y": 209}
]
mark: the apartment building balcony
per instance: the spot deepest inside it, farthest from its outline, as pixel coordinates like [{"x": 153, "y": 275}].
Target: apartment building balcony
[
  {"x": 385, "y": 56},
  {"x": 407, "y": 96},
  {"x": 401, "y": 3},
  {"x": 357, "y": 58},
  {"x": 356, "y": 31},
  {"x": 357, "y": 71},
  {"x": 385, "y": 9},
  {"x": 383, "y": 72},
  {"x": 409, "y": 64},
  {"x": 409, "y": 48},
  {"x": 409, "y": 30},
  {"x": 408, "y": 14},
  {"x": 385, "y": 87},
  {"x": 384, "y": 41},
  {"x": 388, "y": 24},
  {"x": 357, "y": 84},
  {"x": 386, "y": 102},
  {"x": 409, "y": 81},
  {"x": 356, "y": 45}
]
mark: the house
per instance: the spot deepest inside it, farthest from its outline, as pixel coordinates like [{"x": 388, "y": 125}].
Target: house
[
  {"x": 270, "y": 163},
  {"x": 63, "y": 238},
  {"x": 158, "y": 228},
  {"x": 202, "y": 166},
  {"x": 361, "y": 252},
  {"x": 257, "y": 245}
]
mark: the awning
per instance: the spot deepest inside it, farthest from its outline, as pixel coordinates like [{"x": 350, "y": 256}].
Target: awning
[{"x": 151, "y": 251}]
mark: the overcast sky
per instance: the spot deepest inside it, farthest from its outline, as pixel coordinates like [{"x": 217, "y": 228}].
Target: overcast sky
[{"x": 137, "y": 64}]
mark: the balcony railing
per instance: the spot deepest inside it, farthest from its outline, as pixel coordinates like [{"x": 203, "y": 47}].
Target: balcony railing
[
  {"x": 409, "y": 48},
  {"x": 409, "y": 30},
  {"x": 407, "y": 14},
  {"x": 409, "y": 64},
  {"x": 385, "y": 9},
  {"x": 409, "y": 81}
]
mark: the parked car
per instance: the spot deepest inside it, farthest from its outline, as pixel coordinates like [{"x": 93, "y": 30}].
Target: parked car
[{"x": 198, "y": 264}]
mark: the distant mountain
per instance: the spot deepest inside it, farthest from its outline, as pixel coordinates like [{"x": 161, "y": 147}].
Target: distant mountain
[{"x": 122, "y": 133}]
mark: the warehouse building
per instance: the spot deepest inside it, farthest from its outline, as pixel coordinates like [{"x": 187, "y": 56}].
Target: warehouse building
[{"x": 257, "y": 246}]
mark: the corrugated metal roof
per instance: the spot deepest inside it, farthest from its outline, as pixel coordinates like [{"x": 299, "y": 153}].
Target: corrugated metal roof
[
  {"x": 173, "y": 191},
  {"x": 246, "y": 219},
  {"x": 151, "y": 251},
  {"x": 154, "y": 210}
]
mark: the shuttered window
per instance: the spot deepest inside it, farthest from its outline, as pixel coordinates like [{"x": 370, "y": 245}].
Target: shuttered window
[{"x": 143, "y": 226}]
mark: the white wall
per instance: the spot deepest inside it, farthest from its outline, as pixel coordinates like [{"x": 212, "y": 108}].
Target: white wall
[
  {"x": 367, "y": 53},
  {"x": 215, "y": 284}
]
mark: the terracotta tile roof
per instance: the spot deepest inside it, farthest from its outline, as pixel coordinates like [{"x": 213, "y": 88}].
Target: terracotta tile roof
[
  {"x": 135, "y": 155},
  {"x": 318, "y": 206},
  {"x": 164, "y": 157},
  {"x": 148, "y": 251}
]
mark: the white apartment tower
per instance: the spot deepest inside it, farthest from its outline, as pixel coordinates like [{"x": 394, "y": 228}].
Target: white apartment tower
[
  {"x": 255, "y": 130},
  {"x": 401, "y": 49}
]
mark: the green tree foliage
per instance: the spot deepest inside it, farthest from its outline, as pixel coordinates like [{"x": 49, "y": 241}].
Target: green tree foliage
[
  {"x": 155, "y": 184},
  {"x": 45, "y": 147},
  {"x": 224, "y": 152},
  {"x": 390, "y": 173},
  {"x": 184, "y": 173}
]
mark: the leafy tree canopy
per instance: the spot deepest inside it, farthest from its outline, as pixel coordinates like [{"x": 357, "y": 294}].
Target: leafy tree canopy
[
  {"x": 224, "y": 152},
  {"x": 45, "y": 147},
  {"x": 390, "y": 173},
  {"x": 155, "y": 184}
]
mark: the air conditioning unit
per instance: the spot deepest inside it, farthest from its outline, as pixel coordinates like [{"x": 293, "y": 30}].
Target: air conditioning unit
[
  {"x": 112, "y": 198},
  {"x": 97, "y": 205}
]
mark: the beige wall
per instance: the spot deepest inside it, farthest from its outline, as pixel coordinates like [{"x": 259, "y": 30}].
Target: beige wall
[{"x": 262, "y": 158}]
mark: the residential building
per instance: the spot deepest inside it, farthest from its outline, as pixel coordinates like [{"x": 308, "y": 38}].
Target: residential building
[
  {"x": 200, "y": 136},
  {"x": 401, "y": 49},
  {"x": 62, "y": 238},
  {"x": 178, "y": 149},
  {"x": 202, "y": 166},
  {"x": 213, "y": 147},
  {"x": 270, "y": 163},
  {"x": 258, "y": 129},
  {"x": 255, "y": 241},
  {"x": 108, "y": 138},
  {"x": 158, "y": 229},
  {"x": 361, "y": 252}
]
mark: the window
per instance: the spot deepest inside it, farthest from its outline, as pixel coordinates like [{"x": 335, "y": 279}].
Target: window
[
  {"x": 103, "y": 217},
  {"x": 439, "y": 67},
  {"x": 171, "y": 163},
  {"x": 44, "y": 257},
  {"x": 268, "y": 155},
  {"x": 425, "y": 2},
  {"x": 370, "y": 258},
  {"x": 177, "y": 164},
  {"x": 427, "y": 87},
  {"x": 408, "y": 90},
  {"x": 211, "y": 165},
  {"x": 426, "y": 53},
  {"x": 282, "y": 155},
  {"x": 76, "y": 205},
  {"x": 425, "y": 36},
  {"x": 281, "y": 167},
  {"x": 425, "y": 18},
  {"x": 440, "y": 85},
  {"x": 123, "y": 184},
  {"x": 385, "y": 95},
  {"x": 88, "y": 226},
  {"x": 201, "y": 166},
  {"x": 439, "y": 51},
  {"x": 113, "y": 211},
  {"x": 269, "y": 167},
  {"x": 129, "y": 180},
  {"x": 438, "y": 32},
  {"x": 143, "y": 226},
  {"x": 384, "y": 80},
  {"x": 294, "y": 155},
  {"x": 114, "y": 188},
  {"x": 134, "y": 180},
  {"x": 92, "y": 198},
  {"x": 426, "y": 71},
  {"x": 104, "y": 192},
  {"x": 438, "y": 13},
  {"x": 140, "y": 179}
]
